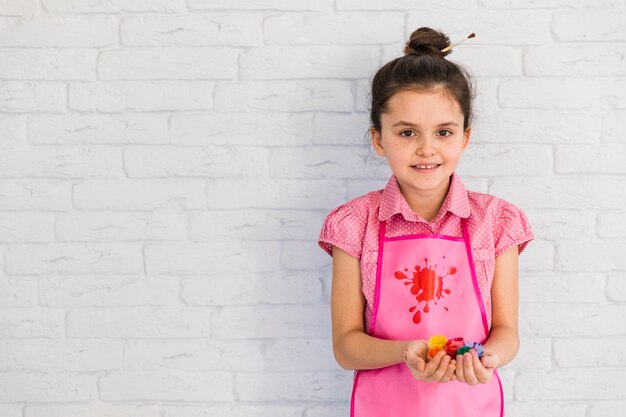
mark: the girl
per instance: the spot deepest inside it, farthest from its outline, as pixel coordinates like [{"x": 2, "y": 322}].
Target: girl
[{"x": 424, "y": 256}]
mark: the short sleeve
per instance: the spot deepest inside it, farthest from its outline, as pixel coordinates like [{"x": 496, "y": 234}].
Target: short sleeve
[
  {"x": 512, "y": 228},
  {"x": 344, "y": 227}
]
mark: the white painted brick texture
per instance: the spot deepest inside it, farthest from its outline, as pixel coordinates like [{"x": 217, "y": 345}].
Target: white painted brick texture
[{"x": 166, "y": 165}]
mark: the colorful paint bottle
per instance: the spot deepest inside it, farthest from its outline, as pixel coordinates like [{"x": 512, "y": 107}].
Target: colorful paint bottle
[{"x": 435, "y": 344}]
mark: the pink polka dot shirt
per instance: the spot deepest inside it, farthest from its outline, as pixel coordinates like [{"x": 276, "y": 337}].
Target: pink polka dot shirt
[{"x": 494, "y": 226}]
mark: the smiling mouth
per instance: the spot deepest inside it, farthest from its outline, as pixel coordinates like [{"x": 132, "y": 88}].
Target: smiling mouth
[{"x": 428, "y": 166}]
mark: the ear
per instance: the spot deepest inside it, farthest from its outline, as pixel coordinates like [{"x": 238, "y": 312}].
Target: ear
[
  {"x": 466, "y": 137},
  {"x": 377, "y": 141}
]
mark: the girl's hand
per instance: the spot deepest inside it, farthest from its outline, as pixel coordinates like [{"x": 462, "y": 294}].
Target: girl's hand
[
  {"x": 472, "y": 370},
  {"x": 441, "y": 368}
]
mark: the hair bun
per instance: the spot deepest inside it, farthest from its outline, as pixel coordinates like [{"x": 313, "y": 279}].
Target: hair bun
[{"x": 427, "y": 41}]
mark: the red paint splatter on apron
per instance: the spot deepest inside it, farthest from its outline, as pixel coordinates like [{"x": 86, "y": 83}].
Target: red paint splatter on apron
[{"x": 426, "y": 285}]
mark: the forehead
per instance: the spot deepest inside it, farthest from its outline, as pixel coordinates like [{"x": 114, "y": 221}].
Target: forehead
[{"x": 422, "y": 107}]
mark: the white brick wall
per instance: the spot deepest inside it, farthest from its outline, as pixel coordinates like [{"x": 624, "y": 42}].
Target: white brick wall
[{"x": 165, "y": 167}]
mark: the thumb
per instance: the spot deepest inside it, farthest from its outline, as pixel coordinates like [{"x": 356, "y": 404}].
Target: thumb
[
  {"x": 420, "y": 364},
  {"x": 489, "y": 362}
]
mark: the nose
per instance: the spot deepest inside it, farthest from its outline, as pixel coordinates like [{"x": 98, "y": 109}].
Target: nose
[{"x": 425, "y": 147}]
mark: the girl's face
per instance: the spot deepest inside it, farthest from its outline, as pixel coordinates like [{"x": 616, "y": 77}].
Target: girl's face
[{"x": 422, "y": 139}]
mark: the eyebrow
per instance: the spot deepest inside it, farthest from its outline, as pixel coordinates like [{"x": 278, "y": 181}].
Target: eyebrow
[{"x": 402, "y": 122}]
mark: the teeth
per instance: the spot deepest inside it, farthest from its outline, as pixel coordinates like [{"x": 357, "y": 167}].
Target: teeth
[{"x": 425, "y": 166}]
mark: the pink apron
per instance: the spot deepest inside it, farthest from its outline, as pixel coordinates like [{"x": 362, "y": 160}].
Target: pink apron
[{"x": 425, "y": 285}]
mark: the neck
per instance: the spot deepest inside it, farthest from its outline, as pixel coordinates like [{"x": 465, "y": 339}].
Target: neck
[{"x": 426, "y": 203}]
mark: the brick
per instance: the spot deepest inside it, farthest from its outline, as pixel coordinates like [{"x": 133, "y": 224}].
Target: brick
[
  {"x": 152, "y": 386},
  {"x": 73, "y": 259},
  {"x": 592, "y": 61},
  {"x": 168, "y": 64},
  {"x": 194, "y": 355},
  {"x": 12, "y": 130},
  {"x": 542, "y": 408},
  {"x": 33, "y": 97},
  {"x": 18, "y": 292},
  {"x": 31, "y": 322},
  {"x": 114, "y": 6},
  {"x": 505, "y": 160},
  {"x": 562, "y": 224},
  {"x": 139, "y": 194},
  {"x": 324, "y": 162},
  {"x": 196, "y": 29},
  {"x": 403, "y": 5},
  {"x": 537, "y": 257},
  {"x": 297, "y": 387},
  {"x": 35, "y": 195},
  {"x": 13, "y": 8},
  {"x": 107, "y": 291},
  {"x": 47, "y": 387},
  {"x": 11, "y": 410},
  {"x": 93, "y": 410},
  {"x": 138, "y": 322},
  {"x": 246, "y": 290},
  {"x": 551, "y": 93},
  {"x": 327, "y": 410},
  {"x": 102, "y": 129},
  {"x": 611, "y": 225},
  {"x": 26, "y": 227},
  {"x": 48, "y": 64},
  {"x": 164, "y": 225},
  {"x": 271, "y": 322},
  {"x": 604, "y": 408},
  {"x": 582, "y": 320},
  {"x": 300, "y": 355},
  {"x": 317, "y": 5},
  {"x": 342, "y": 129},
  {"x": 616, "y": 288},
  {"x": 574, "y": 384},
  {"x": 118, "y": 96},
  {"x": 613, "y": 125},
  {"x": 533, "y": 353},
  {"x": 274, "y": 62},
  {"x": 60, "y": 355},
  {"x": 208, "y": 161},
  {"x": 501, "y": 27},
  {"x": 478, "y": 59},
  {"x": 547, "y": 4},
  {"x": 590, "y": 25},
  {"x": 592, "y": 257},
  {"x": 274, "y": 193},
  {"x": 293, "y": 96},
  {"x": 252, "y": 224},
  {"x": 211, "y": 258},
  {"x": 57, "y": 162},
  {"x": 562, "y": 288},
  {"x": 304, "y": 255},
  {"x": 512, "y": 127},
  {"x": 336, "y": 29},
  {"x": 268, "y": 129},
  {"x": 606, "y": 159},
  {"x": 232, "y": 410},
  {"x": 574, "y": 353},
  {"x": 585, "y": 193},
  {"x": 43, "y": 31}
]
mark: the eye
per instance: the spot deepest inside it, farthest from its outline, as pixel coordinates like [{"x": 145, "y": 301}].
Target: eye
[
  {"x": 404, "y": 131},
  {"x": 445, "y": 130}
]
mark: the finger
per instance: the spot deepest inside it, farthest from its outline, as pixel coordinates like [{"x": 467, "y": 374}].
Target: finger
[
  {"x": 468, "y": 369},
  {"x": 460, "y": 375},
  {"x": 433, "y": 365},
  {"x": 450, "y": 371},
  {"x": 482, "y": 374},
  {"x": 441, "y": 370}
]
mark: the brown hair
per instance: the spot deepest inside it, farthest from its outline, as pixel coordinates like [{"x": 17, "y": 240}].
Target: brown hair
[{"x": 422, "y": 68}]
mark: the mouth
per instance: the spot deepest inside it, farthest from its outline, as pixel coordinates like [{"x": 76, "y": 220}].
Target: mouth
[{"x": 425, "y": 167}]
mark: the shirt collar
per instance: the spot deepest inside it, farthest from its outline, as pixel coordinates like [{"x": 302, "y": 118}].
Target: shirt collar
[{"x": 394, "y": 202}]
